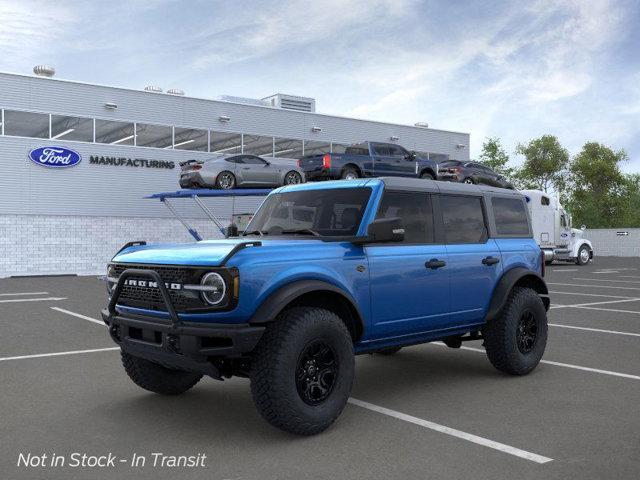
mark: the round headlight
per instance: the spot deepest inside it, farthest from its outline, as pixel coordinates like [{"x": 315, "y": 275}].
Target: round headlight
[{"x": 215, "y": 288}]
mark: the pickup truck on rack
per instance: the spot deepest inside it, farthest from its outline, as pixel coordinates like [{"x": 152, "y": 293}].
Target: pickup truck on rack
[
  {"x": 325, "y": 271},
  {"x": 368, "y": 159}
]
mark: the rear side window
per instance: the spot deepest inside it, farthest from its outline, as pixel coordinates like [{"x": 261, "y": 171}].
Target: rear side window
[
  {"x": 414, "y": 209},
  {"x": 544, "y": 200},
  {"x": 511, "y": 216},
  {"x": 463, "y": 219}
]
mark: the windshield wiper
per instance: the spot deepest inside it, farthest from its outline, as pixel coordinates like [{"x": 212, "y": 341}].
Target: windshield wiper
[
  {"x": 301, "y": 231},
  {"x": 254, "y": 232}
]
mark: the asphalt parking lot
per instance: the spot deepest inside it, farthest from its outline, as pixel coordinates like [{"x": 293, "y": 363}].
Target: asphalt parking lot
[{"x": 428, "y": 412}]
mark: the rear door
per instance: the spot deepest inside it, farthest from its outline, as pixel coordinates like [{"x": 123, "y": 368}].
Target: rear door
[
  {"x": 474, "y": 260},
  {"x": 407, "y": 295}
]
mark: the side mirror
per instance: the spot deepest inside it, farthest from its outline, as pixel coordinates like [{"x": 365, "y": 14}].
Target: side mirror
[
  {"x": 231, "y": 231},
  {"x": 383, "y": 230}
]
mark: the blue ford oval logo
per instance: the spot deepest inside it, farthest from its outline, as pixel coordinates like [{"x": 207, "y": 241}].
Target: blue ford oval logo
[{"x": 56, "y": 157}]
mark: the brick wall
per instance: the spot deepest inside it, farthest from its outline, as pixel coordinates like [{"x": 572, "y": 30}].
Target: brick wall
[
  {"x": 611, "y": 242},
  {"x": 52, "y": 245}
]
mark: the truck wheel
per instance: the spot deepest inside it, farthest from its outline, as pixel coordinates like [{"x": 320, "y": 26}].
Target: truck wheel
[
  {"x": 302, "y": 370},
  {"x": 225, "y": 180},
  {"x": 583, "y": 255},
  {"x": 427, "y": 176},
  {"x": 156, "y": 378},
  {"x": 349, "y": 173},
  {"x": 516, "y": 339},
  {"x": 388, "y": 351}
]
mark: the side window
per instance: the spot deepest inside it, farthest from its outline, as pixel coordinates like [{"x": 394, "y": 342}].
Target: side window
[
  {"x": 463, "y": 219},
  {"x": 414, "y": 209},
  {"x": 511, "y": 216},
  {"x": 250, "y": 159},
  {"x": 396, "y": 151},
  {"x": 544, "y": 200},
  {"x": 381, "y": 149},
  {"x": 234, "y": 160}
]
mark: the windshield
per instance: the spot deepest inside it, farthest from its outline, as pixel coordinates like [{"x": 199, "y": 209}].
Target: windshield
[{"x": 321, "y": 212}]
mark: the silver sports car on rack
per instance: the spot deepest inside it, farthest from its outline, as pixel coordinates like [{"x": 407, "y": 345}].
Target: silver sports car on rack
[{"x": 240, "y": 170}]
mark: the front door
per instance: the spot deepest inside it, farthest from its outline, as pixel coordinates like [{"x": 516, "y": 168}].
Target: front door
[
  {"x": 382, "y": 160},
  {"x": 409, "y": 280},
  {"x": 474, "y": 260}
]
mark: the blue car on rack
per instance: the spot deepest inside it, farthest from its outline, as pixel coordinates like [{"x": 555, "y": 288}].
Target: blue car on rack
[{"x": 325, "y": 271}]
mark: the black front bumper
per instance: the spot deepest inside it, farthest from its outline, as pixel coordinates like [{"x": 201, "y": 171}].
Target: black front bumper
[{"x": 175, "y": 344}]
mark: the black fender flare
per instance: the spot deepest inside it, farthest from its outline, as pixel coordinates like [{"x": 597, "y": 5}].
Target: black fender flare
[
  {"x": 276, "y": 301},
  {"x": 506, "y": 283}
]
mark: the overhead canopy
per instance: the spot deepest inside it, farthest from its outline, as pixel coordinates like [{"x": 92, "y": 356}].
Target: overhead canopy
[{"x": 206, "y": 192}]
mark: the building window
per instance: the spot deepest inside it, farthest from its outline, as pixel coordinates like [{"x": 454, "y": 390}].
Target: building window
[
  {"x": 114, "y": 133},
  {"x": 72, "y": 128},
  {"x": 157, "y": 136},
  {"x": 190, "y": 139},
  {"x": 287, "y": 148},
  {"x": 258, "y": 145},
  {"x": 26, "y": 124},
  {"x": 226, "y": 143},
  {"x": 338, "y": 147},
  {"x": 312, "y": 147}
]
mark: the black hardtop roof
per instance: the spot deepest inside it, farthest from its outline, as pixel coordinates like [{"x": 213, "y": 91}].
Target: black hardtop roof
[{"x": 433, "y": 186}]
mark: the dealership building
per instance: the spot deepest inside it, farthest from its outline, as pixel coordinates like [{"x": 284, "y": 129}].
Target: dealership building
[{"x": 129, "y": 144}]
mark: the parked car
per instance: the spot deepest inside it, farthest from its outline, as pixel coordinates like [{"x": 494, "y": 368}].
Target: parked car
[
  {"x": 368, "y": 159},
  {"x": 323, "y": 272},
  {"x": 231, "y": 171},
  {"x": 471, "y": 172}
]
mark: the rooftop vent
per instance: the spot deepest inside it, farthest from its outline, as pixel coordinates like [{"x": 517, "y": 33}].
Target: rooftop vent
[
  {"x": 153, "y": 88},
  {"x": 422, "y": 124},
  {"x": 292, "y": 102},
  {"x": 175, "y": 91},
  {"x": 244, "y": 100},
  {"x": 44, "y": 71}
]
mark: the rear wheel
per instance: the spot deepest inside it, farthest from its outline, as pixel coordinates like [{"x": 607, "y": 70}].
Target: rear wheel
[
  {"x": 584, "y": 256},
  {"x": 468, "y": 181},
  {"x": 292, "y": 178},
  {"x": 225, "y": 180},
  {"x": 156, "y": 378},
  {"x": 427, "y": 175},
  {"x": 349, "y": 173},
  {"x": 516, "y": 339},
  {"x": 302, "y": 370}
]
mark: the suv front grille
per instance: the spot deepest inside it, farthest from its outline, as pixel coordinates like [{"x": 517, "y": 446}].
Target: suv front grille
[{"x": 150, "y": 297}]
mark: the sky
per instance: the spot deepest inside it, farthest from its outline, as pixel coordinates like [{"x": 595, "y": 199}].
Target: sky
[{"x": 513, "y": 70}]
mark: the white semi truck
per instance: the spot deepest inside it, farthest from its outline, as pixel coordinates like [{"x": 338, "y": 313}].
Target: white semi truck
[{"x": 552, "y": 230}]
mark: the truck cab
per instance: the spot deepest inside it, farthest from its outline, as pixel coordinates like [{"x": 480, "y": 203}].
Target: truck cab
[{"x": 553, "y": 230}]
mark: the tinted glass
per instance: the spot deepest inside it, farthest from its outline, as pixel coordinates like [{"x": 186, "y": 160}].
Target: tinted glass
[
  {"x": 381, "y": 149},
  {"x": 258, "y": 145},
  {"x": 72, "y": 128},
  {"x": 114, "y": 133},
  {"x": 414, "y": 209},
  {"x": 329, "y": 212},
  {"x": 225, "y": 143},
  {"x": 234, "y": 160},
  {"x": 253, "y": 160},
  {"x": 450, "y": 163},
  {"x": 191, "y": 139},
  {"x": 316, "y": 148},
  {"x": 396, "y": 151},
  {"x": 544, "y": 200},
  {"x": 463, "y": 219},
  {"x": 287, "y": 148},
  {"x": 157, "y": 136},
  {"x": 510, "y": 216},
  {"x": 26, "y": 124}
]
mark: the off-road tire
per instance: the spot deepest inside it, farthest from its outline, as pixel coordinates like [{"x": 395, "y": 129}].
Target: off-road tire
[
  {"x": 275, "y": 365},
  {"x": 156, "y": 378},
  {"x": 579, "y": 260},
  {"x": 219, "y": 185},
  {"x": 388, "y": 351},
  {"x": 349, "y": 172},
  {"x": 500, "y": 333},
  {"x": 427, "y": 176}
]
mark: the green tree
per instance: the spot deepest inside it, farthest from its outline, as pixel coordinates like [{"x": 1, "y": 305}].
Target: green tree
[
  {"x": 545, "y": 164},
  {"x": 599, "y": 194},
  {"x": 631, "y": 198},
  {"x": 495, "y": 157}
]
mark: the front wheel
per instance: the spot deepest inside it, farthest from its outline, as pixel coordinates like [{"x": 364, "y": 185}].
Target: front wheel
[
  {"x": 302, "y": 370},
  {"x": 516, "y": 339},
  {"x": 225, "y": 180},
  {"x": 292, "y": 178},
  {"x": 156, "y": 378},
  {"x": 468, "y": 181},
  {"x": 584, "y": 255},
  {"x": 427, "y": 176}
]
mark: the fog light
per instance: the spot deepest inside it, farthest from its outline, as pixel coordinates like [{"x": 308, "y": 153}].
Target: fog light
[{"x": 215, "y": 288}]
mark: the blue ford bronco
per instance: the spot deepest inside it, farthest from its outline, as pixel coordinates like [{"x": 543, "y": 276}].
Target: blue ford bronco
[{"x": 325, "y": 271}]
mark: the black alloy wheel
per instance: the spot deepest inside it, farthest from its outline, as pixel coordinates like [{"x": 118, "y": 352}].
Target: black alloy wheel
[
  {"x": 527, "y": 332},
  {"x": 316, "y": 372}
]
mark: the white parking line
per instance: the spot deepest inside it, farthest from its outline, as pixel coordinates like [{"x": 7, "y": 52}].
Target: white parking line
[
  {"x": 598, "y": 330},
  {"x": 604, "y": 272},
  {"x": 589, "y": 294},
  {"x": 23, "y": 293},
  {"x": 485, "y": 442},
  {"x": 632, "y": 299},
  {"x": 84, "y": 317},
  {"x": 592, "y": 286},
  {"x": 563, "y": 270},
  {"x": 605, "y": 280},
  {"x": 628, "y": 276},
  {"x": 57, "y": 354},
  {"x": 559, "y": 364},
  {"x": 610, "y": 310},
  {"x": 45, "y": 299}
]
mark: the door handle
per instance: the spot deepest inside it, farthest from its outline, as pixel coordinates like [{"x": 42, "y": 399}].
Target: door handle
[
  {"x": 490, "y": 261},
  {"x": 246, "y": 168},
  {"x": 434, "y": 264}
]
